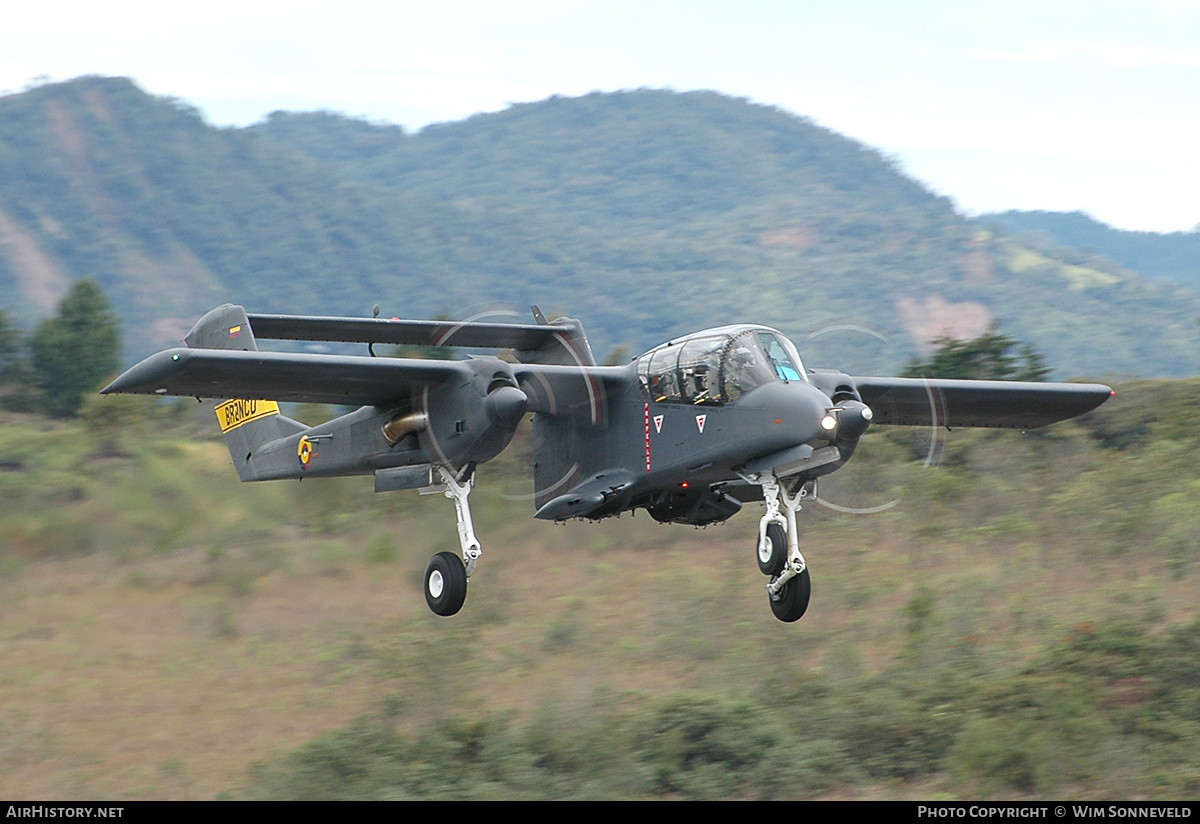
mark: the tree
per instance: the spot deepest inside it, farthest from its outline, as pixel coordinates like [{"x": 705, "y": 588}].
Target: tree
[
  {"x": 73, "y": 352},
  {"x": 14, "y": 373},
  {"x": 988, "y": 357}
]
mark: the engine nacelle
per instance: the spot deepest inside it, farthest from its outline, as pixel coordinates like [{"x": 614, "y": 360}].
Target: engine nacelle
[
  {"x": 852, "y": 416},
  {"x": 474, "y": 421},
  {"x": 853, "y": 420}
]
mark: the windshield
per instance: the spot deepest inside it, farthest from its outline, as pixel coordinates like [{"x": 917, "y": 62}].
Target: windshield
[
  {"x": 715, "y": 369},
  {"x": 755, "y": 357}
]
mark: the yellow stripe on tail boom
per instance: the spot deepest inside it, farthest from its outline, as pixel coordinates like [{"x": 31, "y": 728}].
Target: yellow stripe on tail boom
[{"x": 235, "y": 413}]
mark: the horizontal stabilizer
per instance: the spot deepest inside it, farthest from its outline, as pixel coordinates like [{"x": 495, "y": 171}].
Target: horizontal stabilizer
[
  {"x": 562, "y": 341},
  {"x": 403, "y": 332}
]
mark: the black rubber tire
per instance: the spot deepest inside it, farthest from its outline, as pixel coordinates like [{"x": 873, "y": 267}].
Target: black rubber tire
[
  {"x": 445, "y": 583},
  {"x": 773, "y": 565},
  {"x": 793, "y": 598}
]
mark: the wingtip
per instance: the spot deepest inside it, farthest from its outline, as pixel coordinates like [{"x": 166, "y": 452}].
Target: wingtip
[
  {"x": 145, "y": 377},
  {"x": 115, "y": 386}
]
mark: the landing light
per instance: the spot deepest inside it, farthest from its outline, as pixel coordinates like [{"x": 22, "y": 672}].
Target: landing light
[{"x": 829, "y": 423}]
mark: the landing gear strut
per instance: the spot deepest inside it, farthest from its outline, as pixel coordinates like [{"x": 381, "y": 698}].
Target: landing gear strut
[
  {"x": 447, "y": 575},
  {"x": 779, "y": 552}
]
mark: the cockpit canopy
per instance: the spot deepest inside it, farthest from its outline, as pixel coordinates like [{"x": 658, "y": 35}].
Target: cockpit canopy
[{"x": 718, "y": 366}]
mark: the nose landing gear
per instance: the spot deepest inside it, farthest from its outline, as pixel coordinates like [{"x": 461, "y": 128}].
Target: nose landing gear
[
  {"x": 779, "y": 552},
  {"x": 791, "y": 601}
]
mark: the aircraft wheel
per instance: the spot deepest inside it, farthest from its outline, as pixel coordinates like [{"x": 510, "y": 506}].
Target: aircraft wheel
[
  {"x": 792, "y": 601},
  {"x": 445, "y": 583},
  {"x": 772, "y": 555}
]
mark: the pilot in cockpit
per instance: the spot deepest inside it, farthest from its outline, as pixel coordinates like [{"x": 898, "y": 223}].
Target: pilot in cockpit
[{"x": 740, "y": 369}]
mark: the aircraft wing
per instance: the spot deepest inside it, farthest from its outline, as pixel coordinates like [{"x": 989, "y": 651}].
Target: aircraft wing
[
  {"x": 951, "y": 403},
  {"x": 284, "y": 376}
]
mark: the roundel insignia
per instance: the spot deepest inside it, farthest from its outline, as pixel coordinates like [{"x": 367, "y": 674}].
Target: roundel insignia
[{"x": 305, "y": 452}]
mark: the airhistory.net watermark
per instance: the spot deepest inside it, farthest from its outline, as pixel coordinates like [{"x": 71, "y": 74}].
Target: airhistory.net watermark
[{"x": 49, "y": 811}]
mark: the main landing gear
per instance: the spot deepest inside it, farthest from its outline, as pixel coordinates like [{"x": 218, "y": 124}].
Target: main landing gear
[
  {"x": 779, "y": 552},
  {"x": 447, "y": 575}
]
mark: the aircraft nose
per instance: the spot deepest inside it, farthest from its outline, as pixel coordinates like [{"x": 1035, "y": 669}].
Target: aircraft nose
[{"x": 802, "y": 408}]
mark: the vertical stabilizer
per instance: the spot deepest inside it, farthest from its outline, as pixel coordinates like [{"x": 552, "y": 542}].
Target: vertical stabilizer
[
  {"x": 569, "y": 347},
  {"x": 247, "y": 424},
  {"x": 225, "y": 327}
]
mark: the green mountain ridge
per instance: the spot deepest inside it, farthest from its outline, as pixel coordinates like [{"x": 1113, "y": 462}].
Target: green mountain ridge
[
  {"x": 1173, "y": 256},
  {"x": 647, "y": 214},
  {"x": 698, "y": 153}
]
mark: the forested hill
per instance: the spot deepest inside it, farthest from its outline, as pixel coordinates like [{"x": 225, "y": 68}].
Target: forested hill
[
  {"x": 172, "y": 216},
  {"x": 1174, "y": 256},
  {"x": 653, "y": 156},
  {"x": 645, "y": 213}
]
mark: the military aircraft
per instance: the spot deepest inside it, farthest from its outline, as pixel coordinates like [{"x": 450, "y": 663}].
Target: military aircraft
[{"x": 689, "y": 431}]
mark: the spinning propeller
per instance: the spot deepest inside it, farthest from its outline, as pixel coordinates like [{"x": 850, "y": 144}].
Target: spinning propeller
[{"x": 868, "y": 484}]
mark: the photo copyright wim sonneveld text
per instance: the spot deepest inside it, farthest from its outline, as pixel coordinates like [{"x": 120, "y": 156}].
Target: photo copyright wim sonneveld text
[{"x": 1059, "y": 811}]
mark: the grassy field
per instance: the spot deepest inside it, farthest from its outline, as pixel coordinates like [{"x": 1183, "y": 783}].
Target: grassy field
[{"x": 1020, "y": 624}]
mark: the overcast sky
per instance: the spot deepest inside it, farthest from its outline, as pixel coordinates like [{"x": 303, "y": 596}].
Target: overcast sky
[{"x": 1028, "y": 104}]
